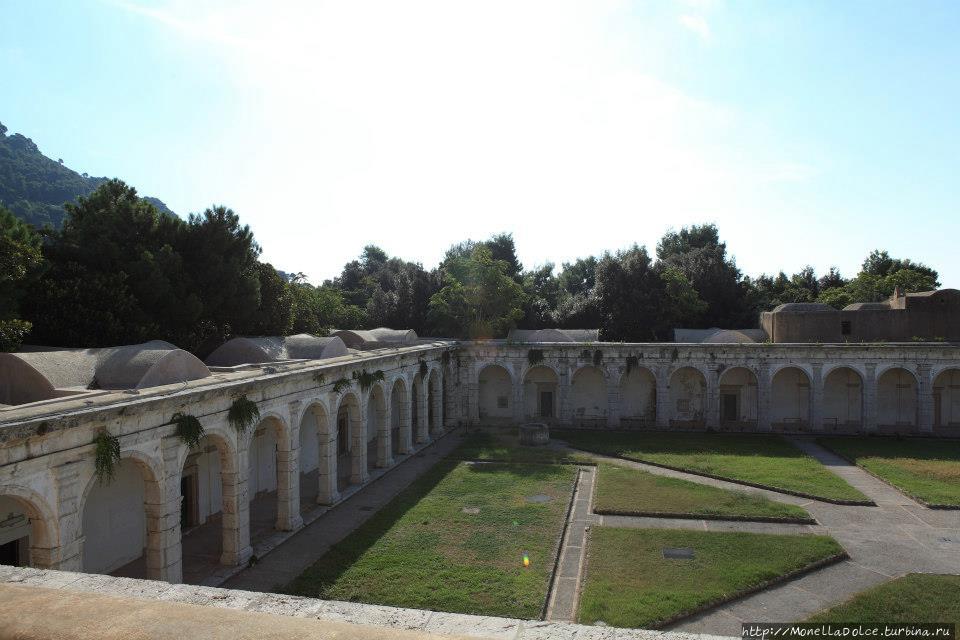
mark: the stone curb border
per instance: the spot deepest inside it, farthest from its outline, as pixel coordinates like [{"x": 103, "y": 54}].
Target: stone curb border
[
  {"x": 554, "y": 573},
  {"x": 694, "y": 516},
  {"x": 540, "y": 464},
  {"x": 923, "y": 503},
  {"x": 747, "y": 483},
  {"x": 749, "y": 591},
  {"x": 383, "y": 617}
]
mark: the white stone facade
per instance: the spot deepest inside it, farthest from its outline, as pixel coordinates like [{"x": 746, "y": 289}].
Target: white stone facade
[{"x": 60, "y": 517}]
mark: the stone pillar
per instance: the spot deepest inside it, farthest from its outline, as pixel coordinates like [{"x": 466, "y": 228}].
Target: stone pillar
[
  {"x": 472, "y": 395},
  {"x": 924, "y": 399},
  {"x": 613, "y": 401},
  {"x": 816, "y": 397},
  {"x": 870, "y": 398},
  {"x": 384, "y": 439},
  {"x": 68, "y": 556},
  {"x": 327, "y": 492},
  {"x": 519, "y": 396},
  {"x": 563, "y": 389},
  {"x": 236, "y": 507},
  {"x": 712, "y": 417},
  {"x": 288, "y": 473},
  {"x": 436, "y": 407},
  {"x": 421, "y": 428},
  {"x": 763, "y": 397},
  {"x": 406, "y": 424},
  {"x": 164, "y": 554},
  {"x": 358, "y": 445},
  {"x": 664, "y": 409}
]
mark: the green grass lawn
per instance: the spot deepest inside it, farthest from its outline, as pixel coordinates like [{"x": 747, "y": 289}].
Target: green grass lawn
[
  {"x": 423, "y": 550},
  {"x": 917, "y": 597},
  {"x": 503, "y": 445},
  {"x": 926, "y": 469},
  {"x": 768, "y": 460},
  {"x": 621, "y": 490},
  {"x": 630, "y": 584}
]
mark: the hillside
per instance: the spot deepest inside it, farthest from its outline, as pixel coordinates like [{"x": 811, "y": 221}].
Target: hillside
[{"x": 35, "y": 187}]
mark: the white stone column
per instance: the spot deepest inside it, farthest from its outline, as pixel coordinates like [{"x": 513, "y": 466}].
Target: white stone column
[
  {"x": 519, "y": 398},
  {"x": 384, "y": 439},
  {"x": 327, "y": 492},
  {"x": 712, "y": 414},
  {"x": 563, "y": 388},
  {"x": 763, "y": 397},
  {"x": 68, "y": 556},
  {"x": 164, "y": 554},
  {"x": 288, "y": 473},
  {"x": 406, "y": 420},
  {"x": 613, "y": 400},
  {"x": 358, "y": 442},
  {"x": 664, "y": 408},
  {"x": 870, "y": 398},
  {"x": 924, "y": 399},
  {"x": 816, "y": 397},
  {"x": 236, "y": 507},
  {"x": 421, "y": 428}
]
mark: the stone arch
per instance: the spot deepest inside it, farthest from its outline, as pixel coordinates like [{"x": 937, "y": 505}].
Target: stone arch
[
  {"x": 588, "y": 396},
  {"x": 435, "y": 401},
  {"x": 688, "y": 397},
  {"x": 379, "y": 445},
  {"x": 401, "y": 435},
  {"x": 121, "y": 519},
  {"x": 843, "y": 399},
  {"x": 638, "y": 397},
  {"x": 738, "y": 397},
  {"x": 789, "y": 399},
  {"x": 351, "y": 442},
  {"x": 207, "y": 503},
  {"x": 314, "y": 459},
  {"x": 35, "y": 541},
  {"x": 270, "y": 479},
  {"x": 541, "y": 400},
  {"x": 897, "y": 395},
  {"x": 495, "y": 393},
  {"x": 946, "y": 400}
]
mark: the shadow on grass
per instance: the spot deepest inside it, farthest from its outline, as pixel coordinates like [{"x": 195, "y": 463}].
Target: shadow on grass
[{"x": 342, "y": 555}]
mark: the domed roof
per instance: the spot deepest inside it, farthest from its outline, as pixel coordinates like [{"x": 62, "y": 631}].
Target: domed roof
[
  {"x": 260, "y": 349},
  {"x": 805, "y": 307}
]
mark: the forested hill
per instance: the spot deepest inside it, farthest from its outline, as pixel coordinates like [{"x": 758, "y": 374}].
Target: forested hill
[{"x": 34, "y": 187}]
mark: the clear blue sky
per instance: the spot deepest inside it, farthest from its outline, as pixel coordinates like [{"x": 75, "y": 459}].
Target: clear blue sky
[{"x": 810, "y": 132}]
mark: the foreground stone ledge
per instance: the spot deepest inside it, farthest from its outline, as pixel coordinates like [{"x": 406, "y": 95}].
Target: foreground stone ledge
[{"x": 38, "y": 603}]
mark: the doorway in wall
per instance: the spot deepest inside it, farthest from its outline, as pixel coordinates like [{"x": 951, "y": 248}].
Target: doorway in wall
[
  {"x": 188, "y": 502},
  {"x": 546, "y": 404},
  {"x": 10, "y": 553},
  {"x": 729, "y": 409}
]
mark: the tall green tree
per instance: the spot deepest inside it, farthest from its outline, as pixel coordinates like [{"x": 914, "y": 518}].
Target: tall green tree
[
  {"x": 20, "y": 259},
  {"x": 479, "y": 298}
]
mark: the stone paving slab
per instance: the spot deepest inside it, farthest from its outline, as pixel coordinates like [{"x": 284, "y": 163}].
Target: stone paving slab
[{"x": 213, "y": 612}]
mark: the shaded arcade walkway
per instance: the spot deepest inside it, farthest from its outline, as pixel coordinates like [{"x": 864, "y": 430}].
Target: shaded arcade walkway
[{"x": 306, "y": 546}]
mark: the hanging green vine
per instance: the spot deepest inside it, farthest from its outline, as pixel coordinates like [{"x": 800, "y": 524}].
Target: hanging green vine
[
  {"x": 367, "y": 380},
  {"x": 319, "y": 378},
  {"x": 243, "y": 414},
  {"x": 534, "y": 357},
  {"x": 632, "y": 363},
  {"x": 445, "y": 358},
  {"x": 597, "y": 358},
  {"x": 107, "y": 456},
  {"x": 189, "y": 429},
  {"x": 423, "y": 369},
  {"x": 341, "y": 385}
]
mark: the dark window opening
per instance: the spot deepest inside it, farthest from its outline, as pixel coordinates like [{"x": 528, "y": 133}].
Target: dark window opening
[{"x": 845, "y": 328}]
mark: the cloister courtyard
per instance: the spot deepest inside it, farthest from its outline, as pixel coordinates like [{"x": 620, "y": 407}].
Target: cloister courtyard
[{"x": 693, "y": 532}]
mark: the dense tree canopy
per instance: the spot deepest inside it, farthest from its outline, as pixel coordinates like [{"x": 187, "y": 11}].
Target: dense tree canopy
[{"x": 120, "y": 271}]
